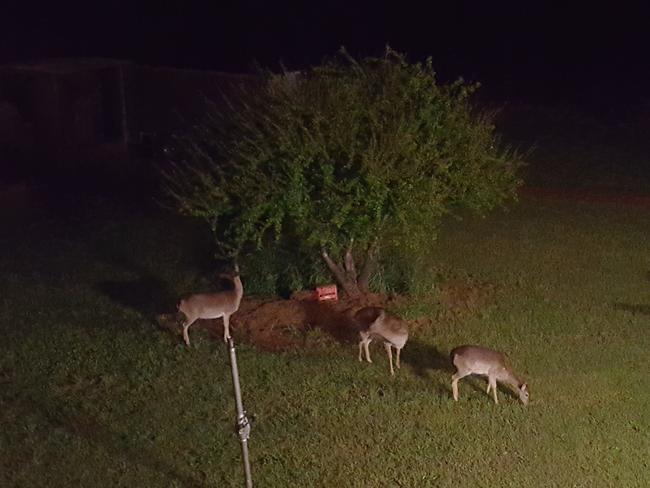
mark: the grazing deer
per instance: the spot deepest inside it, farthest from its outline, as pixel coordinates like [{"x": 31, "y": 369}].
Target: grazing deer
[
  {"x": 483, "y": 361},
  {"x": 212, "y": 306},
  {"x": 375, "y": 322}
]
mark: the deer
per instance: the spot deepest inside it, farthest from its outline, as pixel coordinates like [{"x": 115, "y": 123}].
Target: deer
[
  {"x": 212, "y": 306},
  {"x": 375, "y": 322},
  {"x": 486, "y": 362}
]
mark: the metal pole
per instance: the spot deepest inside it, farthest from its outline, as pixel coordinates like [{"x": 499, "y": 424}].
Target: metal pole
[{"x": 243, "y": 426}]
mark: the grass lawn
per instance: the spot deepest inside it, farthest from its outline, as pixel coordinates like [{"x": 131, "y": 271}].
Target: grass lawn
[
  {"x": 573, "y": 149},
  {"x": 93, "y": 394}
]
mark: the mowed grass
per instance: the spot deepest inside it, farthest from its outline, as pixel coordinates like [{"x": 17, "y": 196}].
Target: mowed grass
[
  {"x": 574, "y": 149},
  {"x": 94, "y": 394}
]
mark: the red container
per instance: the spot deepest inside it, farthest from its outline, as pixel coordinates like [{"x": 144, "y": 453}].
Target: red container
[{"x": 328, "y": 292}]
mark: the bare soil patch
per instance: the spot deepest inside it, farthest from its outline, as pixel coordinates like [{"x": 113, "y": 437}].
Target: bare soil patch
[{"x": 274, "y": 324}]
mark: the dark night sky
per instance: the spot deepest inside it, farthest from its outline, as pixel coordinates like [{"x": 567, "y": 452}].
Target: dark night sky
[{"x": 580, "y": 54}]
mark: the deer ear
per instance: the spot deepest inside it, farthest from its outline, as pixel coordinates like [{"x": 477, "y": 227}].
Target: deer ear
[{"x": 524, "y": 387}]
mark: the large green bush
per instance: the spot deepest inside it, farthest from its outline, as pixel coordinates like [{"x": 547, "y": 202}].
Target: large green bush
[{"x": 346, "y": 160}]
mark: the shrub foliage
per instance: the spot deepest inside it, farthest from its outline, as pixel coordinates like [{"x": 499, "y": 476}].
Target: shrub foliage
[{"x": 343, "y": 161}]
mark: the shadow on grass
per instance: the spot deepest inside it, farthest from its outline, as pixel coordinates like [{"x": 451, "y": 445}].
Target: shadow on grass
[
  {"x": 340, "y": 325},
  {"x": 94, "y": 433},
  {"x": 633, "y": 308},
  {"x": 150, "y": 247},
  {"x": 423, "y": 357},
  {"x": 479, "y": 384},
  {"x": 147, "y": 295}
]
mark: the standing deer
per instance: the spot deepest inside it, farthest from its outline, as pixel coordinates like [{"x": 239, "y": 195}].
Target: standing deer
[
  {"x": 486, "y": 362},
  {"x": 375, "y": 322},
  {"x": 212, "y": 306}
]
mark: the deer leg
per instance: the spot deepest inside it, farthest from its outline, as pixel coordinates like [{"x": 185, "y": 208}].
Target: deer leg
[
  {"x": 454, "y": 383},
  {"x": 365, "y": 346},
  {"x": 397, "y": 358},
  {"x": 186, "y": 326},
  {"x": 390, "y": 357},
  {"x": 226, "y": 328},
  {"x": 364, "y": 337},
  {"x": 493, "y": 385},
  {"x": 488, "y": 387}
]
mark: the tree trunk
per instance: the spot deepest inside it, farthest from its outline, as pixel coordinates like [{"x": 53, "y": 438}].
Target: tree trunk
[
  {"x": 346, "y": 273},
  {"x": 346, "y": 277},
  {"x": 366, "y": 272},
  {"x": 368, "y": 267}
]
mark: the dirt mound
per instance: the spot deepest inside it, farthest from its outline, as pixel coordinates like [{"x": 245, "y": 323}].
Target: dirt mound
[
  {"x": 284, "y": 324},
  {"x": 274, "y": 324}
]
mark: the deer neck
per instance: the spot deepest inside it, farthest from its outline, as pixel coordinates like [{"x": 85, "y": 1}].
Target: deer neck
[
  {"x": 508, "y": 377},
  {"x": 239, "y": 288}
]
